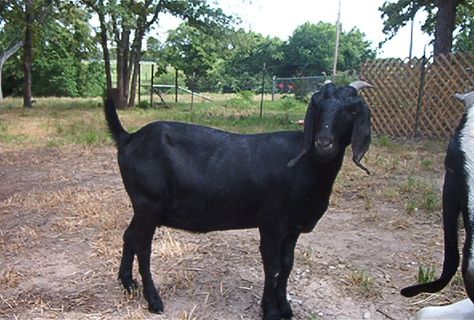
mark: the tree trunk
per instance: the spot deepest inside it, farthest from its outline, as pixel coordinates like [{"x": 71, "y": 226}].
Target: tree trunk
[
  {"x": 135, "y": 57},
  {"x": 445, "y": 24},
  {"x": 122, "y": 68},
  {"x": 28, "y": 54},
  {"x": 133, "y": 87},
  {"x": 105, "y": 51},
  {"x": 4, "y": 57}
]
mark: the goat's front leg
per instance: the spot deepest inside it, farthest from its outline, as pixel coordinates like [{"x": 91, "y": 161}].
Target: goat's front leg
[
  {"x": 270, "y": 245},
  {"x": 286, "y": 257}
]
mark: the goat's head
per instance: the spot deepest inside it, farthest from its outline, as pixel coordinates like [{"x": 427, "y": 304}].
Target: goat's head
[
  {"x": 337, "y": 117},
  {"x": 467, "y": 98}
]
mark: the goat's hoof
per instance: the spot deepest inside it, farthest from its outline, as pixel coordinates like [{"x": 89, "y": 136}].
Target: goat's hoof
[
  {"x": 271, "y": 315},
  {"x": 285, "y": 310},
  {"x": 130, "y": 285},
  {"x": 156, "y": 306}
]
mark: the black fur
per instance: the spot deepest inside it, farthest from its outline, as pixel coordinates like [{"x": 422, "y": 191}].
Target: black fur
[
  {"x": 454, "y": 202},
  {"x": 200, "y": 179}
]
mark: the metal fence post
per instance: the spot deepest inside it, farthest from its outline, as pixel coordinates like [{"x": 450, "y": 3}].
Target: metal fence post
[
  {"x": 139, "y": 82},
  {"x": 175, "y": 85},
  {"x": 263, "y": 89},
  {"x": 273, "y": 88},
  {"x": 151, "y": 86},
  {"x": 420, "y": 95}
]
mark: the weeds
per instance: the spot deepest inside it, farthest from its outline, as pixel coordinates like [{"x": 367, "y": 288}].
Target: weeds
[
  {"x": 426, "y": 274},
  {"x": 418, "y": 194},
  {"x": 427, "y": 164},
  {"x": 361, "y": 283},
  {"x": 384, "y": 141}
]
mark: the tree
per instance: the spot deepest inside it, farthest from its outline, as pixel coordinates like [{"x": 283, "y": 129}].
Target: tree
[
  {"x": 248, "y": 53},
  {"x": 441, "y": 20},
  {"x": 127, "y": 22},
  {"x": 354, "y": 49},
  {"x": 10, "y": 41},
  {"x": 22, "y": 15},
  {"x": 65, "y": 55},
  {"x": 27, "y": 53},
  {"x": 228, "y": 59},
  {"x": 193, "y": 51},
  {"x": 65, "y": 52},
  {"x": 311, "y": 50},
  {"x": 464, "y": 40}
]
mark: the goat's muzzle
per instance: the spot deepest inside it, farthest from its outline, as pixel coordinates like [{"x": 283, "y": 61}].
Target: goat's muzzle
[{"x": 325, "y": 147}]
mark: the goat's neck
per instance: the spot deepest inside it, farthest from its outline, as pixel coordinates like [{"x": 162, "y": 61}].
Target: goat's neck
[{"x": 325, "y": 173}]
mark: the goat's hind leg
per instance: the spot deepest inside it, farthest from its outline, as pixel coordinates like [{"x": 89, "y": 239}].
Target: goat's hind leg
[
  {"x": 143, "y": 251},
  {"x": 137, "y": 241},
  {"x": 126, "y": 264}
]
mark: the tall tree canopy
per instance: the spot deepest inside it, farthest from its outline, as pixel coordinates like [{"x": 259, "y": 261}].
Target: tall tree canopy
[
  {"x": 127, "y": 22},
  {"x": 221, "y": 60},
  {"x": 11, "y": 18},
  {"x": 311, "y": 49},
  {"x": 442, "y": 19},
  {"x": 62, "y": 41}
]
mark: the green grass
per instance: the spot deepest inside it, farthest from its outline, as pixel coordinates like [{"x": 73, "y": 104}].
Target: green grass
[
  {"x": 419, "y": 194},
  {"x": 426, "y": 274},
  {"x": 63, "y": 121}
]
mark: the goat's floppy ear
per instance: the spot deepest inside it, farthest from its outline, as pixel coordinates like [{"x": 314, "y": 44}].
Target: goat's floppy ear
[
  {"x": 309, "y": 124},
  {"x": 361, "y": 135}
]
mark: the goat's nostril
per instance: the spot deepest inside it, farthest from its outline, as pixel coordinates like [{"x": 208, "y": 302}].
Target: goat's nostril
[{"x": 324, "y": 143}]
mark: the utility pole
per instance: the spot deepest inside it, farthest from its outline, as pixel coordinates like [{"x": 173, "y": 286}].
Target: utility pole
[
  {"x": 338, "y": 31},
  {"x": 410, "y": 50}
]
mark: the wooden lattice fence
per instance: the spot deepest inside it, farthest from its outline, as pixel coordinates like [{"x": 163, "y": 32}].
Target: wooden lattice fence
[{"x": 415, "y": 97}]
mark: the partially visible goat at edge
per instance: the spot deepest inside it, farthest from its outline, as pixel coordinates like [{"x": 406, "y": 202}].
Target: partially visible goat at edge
[
  {"x": 458, "y": 196},
  {"x": 201, "y": 179}
]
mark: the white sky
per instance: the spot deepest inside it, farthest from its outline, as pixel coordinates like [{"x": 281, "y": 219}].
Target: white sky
[{"x": 280, "y": 18}]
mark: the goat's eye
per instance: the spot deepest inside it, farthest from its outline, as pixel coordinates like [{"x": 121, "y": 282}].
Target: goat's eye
[{"x": 351, "y": 112}]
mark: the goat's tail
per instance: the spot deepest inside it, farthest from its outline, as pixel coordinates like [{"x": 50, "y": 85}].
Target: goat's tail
[
  {"x": 451, "y": 210},
  {"x": 118, "y": 133}
]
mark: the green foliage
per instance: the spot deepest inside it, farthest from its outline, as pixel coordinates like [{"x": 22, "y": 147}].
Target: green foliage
[
  {"x": 209, "y": 52},
  {"x": 91, "y": 79},
  {"x": 144, "y": 104},
  {"x": 289, "y": 103},
  {"x": 426, "y": 274},
  {"x": 311, "y": 49},
  {"x": 397, "y": 14},
  {"x": 191, "y": 50},
  {"x": 169, "y": 77},
  {"x": 61, "y": 44},
  {"x": 464, "y": 38}
]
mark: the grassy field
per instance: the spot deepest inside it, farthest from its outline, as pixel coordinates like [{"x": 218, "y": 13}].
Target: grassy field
[
  {"x": 62, "y": 121},
  {"x": 63, "y": 211}
]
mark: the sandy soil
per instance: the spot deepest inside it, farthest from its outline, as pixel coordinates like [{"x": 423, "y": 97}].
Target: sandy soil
[{"x": 63, "y": 212}]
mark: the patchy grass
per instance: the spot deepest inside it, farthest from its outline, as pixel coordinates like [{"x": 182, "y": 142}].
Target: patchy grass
[
  {"x": 65, "y": 121},
  {"x": 361, "y": 284}
]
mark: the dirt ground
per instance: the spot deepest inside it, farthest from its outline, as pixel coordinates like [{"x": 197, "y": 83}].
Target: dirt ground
[{"x": 63, "y": 212}]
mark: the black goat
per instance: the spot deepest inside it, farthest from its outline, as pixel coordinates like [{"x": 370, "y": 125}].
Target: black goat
[
  {"x": 458, "y": 196},
  {"x": 201, "y": 179}
]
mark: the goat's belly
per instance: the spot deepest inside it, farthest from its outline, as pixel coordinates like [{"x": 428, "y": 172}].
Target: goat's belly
[{"x": 207, "y": 221}]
